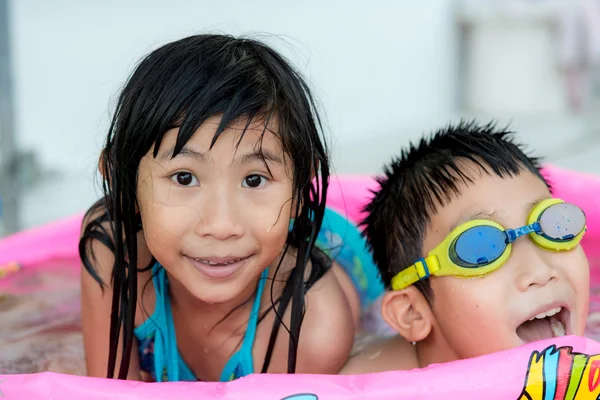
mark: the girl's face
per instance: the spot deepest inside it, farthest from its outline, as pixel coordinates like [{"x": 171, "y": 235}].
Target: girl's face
[{"x": 216, "y": 218}]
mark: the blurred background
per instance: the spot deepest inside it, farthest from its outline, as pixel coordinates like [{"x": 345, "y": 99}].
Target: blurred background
[{"x": 385, "y": 72}]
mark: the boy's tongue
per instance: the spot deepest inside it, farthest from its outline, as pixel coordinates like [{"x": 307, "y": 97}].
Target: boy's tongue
[{"x": 539, "y": 329}]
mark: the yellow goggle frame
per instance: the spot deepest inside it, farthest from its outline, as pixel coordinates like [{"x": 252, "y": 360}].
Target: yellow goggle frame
[{"x": 439, "y": 262}]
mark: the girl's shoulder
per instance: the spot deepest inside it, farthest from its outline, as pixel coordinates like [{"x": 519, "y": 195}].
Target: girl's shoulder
[
  {"x": 329, "y": 322},
  {"x": 97, "y": 254},
  {"x": 328, "y": 326}
]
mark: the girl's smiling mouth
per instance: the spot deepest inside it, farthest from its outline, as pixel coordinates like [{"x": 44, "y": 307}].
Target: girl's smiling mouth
[{"x": 218, "y": 267}]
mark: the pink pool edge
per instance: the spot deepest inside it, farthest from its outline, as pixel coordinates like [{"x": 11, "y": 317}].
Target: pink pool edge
[{"x": 534, "y": 371}]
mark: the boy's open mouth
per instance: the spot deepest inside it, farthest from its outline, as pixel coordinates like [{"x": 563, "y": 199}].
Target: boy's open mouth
[{"x": 545, "y": 325}]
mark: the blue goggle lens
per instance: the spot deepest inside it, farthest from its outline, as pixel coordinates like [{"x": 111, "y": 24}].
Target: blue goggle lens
[{"x": 478, "y": 246}]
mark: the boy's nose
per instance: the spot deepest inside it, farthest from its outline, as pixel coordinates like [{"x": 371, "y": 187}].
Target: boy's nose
[{"x": 534, "y": 269}]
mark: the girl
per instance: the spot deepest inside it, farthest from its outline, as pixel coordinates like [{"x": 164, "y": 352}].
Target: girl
[{"x": 215, "y": 181}]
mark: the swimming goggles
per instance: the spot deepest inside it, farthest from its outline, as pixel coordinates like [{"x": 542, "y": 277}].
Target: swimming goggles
[{"x": 479, "y": 247}]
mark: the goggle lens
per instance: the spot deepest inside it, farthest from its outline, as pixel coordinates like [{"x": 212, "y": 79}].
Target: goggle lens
[
  {"x": 478, "y": 246},
  {"x": 562, "y": 222}
]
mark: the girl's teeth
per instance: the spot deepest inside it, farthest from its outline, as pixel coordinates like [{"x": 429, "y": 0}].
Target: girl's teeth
[
  {"x": 214, "y": 263},
  {"x": 548, "y": 313}
]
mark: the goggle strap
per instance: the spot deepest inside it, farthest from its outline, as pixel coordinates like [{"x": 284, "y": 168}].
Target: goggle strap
[
  {"x": 416, "y": 272},
  {"x": 405, "y": 278},
  {"x": 422, "y": 269},
  {"x": 513, "y": 234}
]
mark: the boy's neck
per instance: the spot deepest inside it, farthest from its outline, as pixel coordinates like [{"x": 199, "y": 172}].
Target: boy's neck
[{"x": 434, "y": 350}]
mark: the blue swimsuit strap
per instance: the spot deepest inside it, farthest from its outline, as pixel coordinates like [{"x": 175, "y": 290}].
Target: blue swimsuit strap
[
  {"x": 168, "y": 363},
  {"x": 165, "y": 352},
  {"x": 241, "y": 362},
  {"x": 343, "y": 242}
]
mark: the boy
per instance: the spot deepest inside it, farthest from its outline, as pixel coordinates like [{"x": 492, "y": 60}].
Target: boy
[{"x": 478, "y": 256}]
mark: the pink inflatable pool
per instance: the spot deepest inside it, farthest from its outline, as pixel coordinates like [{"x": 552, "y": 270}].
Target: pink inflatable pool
[{"x": 565, "y": 368}]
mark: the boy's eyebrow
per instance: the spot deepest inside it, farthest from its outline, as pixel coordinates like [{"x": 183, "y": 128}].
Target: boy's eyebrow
[
  {"x": 535, "y": 202},
  {"x": 492, "y": 213},
  {"x": 473, "y": 216}
]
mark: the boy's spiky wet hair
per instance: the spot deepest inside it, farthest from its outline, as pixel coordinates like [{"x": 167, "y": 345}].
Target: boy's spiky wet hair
[{"x": 429, "y": 175}]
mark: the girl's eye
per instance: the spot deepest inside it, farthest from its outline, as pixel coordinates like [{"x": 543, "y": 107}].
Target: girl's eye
[
  {"x": 253, "y": 181},
  {"x": 185, "y": 179}
]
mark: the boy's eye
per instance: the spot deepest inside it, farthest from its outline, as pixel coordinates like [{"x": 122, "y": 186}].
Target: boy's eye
[
  {"x": 253, "y": 181},
  {"x": 185, "y": 179}
]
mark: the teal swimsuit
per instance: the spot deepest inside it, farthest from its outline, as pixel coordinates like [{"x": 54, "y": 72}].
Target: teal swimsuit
[{"x": 158, "y": 351}]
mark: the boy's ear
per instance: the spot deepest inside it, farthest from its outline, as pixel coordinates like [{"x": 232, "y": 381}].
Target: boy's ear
[{"x": 408, "y": 313}]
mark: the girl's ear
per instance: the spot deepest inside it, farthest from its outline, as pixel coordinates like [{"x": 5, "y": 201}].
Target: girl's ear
[
  {"x": 293, "y": 213},
  {"x": 102, "y": 167},
  {"x": 103, "y": 170}
]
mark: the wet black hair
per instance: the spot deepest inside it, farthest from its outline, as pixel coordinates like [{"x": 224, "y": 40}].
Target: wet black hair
[
  {"x": 426, "y": 176},
  {"x": 181, "y": 85}
]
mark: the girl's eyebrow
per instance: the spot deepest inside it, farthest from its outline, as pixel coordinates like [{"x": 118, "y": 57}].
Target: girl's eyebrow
[
  {"x": 262, "y": 156},
  {"x": 185, "y": 152}
]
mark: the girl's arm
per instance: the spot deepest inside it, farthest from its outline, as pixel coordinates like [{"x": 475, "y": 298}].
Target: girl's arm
[
  {"x": 386, "y": 354},
  {"x": 326, "y": 336},
  {"x": 329, "y": 327},
  {"x": 95, "y": 318}
]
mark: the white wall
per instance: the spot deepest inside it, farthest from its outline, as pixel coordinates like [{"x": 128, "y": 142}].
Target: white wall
[
  {"x": 375, "y": 65},
  {"x": 385, "y": 72}
]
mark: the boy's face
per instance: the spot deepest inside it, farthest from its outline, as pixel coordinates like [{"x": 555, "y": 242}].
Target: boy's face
[{"x": 472, "y": 317}]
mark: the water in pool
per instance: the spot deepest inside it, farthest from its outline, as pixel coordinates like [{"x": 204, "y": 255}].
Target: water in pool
[{"x": 41, "y": 327}]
